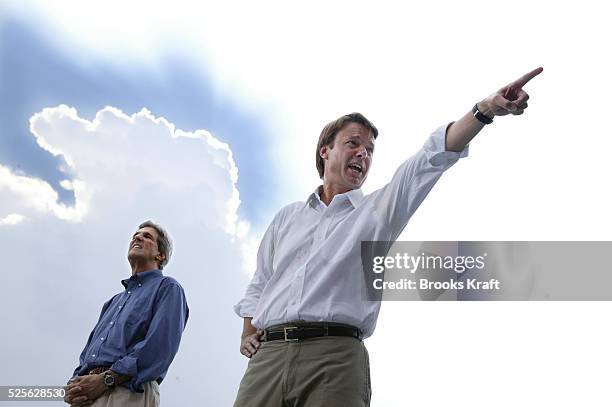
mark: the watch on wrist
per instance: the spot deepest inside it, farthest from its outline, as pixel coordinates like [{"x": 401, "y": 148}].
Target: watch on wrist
[
  {"x": 484, "y": 119},
  {"x": 109, "y": 379}
]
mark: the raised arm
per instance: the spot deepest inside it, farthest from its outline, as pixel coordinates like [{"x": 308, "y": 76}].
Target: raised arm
[{"x": 511, "y": 99}]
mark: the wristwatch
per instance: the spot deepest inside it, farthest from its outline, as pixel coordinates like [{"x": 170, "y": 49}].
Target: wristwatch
[
  {"x": 481, "y": 117},
  {"x": 109, "y": 379}
]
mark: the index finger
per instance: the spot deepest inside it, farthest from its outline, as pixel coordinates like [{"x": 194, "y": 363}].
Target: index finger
[{"x": 520, "y": 82}]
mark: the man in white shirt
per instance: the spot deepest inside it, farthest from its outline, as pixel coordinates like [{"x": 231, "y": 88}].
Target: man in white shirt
[{"x": 304, "y": 313}]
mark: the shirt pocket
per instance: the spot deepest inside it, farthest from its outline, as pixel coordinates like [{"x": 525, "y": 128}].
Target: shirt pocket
[{"x": 136, "y": 318}]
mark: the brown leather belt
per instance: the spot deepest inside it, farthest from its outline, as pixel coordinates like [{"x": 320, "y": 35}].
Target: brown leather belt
[
  {"x": 98, "y": 369},
  {"x": 299, "y": 331}
]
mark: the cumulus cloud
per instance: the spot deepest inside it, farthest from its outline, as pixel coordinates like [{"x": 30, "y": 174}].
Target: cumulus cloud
[
  {"x": 65, "y": 261},
  {"x": 31, "y": 196},
  {"x": 120, "y": 154}
]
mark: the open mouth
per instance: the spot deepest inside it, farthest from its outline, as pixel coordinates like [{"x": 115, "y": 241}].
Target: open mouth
[
  {"x": 356, "y": 168},
  {"x": 136, "y": 246}
]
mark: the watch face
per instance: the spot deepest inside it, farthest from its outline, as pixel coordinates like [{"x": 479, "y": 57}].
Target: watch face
[{"x": 109, "y": 380}]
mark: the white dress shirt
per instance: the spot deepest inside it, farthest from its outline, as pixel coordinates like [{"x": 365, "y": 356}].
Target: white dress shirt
[{"x": 309, "y": 261}]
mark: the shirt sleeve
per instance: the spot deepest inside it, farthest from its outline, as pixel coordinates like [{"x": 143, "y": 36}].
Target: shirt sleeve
[
  {"x": 265, "y": 255},
  {"x": 152, "y": 356},
  {"x": 397, "y": 201},
  {"x": 78, "y": 369}
]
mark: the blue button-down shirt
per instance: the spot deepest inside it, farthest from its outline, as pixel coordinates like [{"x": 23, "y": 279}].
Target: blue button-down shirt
[{"x": 139, "y": 330}]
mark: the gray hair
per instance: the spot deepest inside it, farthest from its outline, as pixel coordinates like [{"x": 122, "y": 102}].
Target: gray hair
[{"x": 164, "y": 243}]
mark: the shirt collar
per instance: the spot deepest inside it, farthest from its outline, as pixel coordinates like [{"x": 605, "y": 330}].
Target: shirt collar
[
  {"x": 141, "y": 277},
  {"x": 354, "y": 196},
  {"x": 313, "y": 198}
]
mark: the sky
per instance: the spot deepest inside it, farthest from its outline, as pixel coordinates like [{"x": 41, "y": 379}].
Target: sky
[{"x": 204, "y": 117}]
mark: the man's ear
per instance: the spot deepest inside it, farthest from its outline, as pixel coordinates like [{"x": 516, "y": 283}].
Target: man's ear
[
  {"x": 160, "y": 257},
  {"x": 323, "y": 152}
]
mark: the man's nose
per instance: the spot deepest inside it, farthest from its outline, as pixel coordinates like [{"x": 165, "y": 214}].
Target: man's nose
[{"x": 362, "y": 152}]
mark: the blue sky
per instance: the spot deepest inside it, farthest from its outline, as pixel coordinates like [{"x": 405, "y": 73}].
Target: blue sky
[{"x": 45, "y": 76}]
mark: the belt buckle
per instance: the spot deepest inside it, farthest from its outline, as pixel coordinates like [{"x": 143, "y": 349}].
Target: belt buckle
[{"x": 285, "y": 332}]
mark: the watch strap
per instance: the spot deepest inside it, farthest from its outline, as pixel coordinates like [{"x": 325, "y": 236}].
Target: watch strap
[{"x": 481, "y": 117}]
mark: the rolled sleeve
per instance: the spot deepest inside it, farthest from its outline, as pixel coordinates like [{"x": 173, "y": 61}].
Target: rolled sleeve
[
  {"x": 245, "y": 308},
  {"x": 435, "y": 149}
]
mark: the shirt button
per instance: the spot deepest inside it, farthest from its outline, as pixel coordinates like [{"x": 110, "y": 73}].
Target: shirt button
[
  {"x": 101, "y": 339},
  {"x": 139, "y": 285},
  {"x": 120, "y": 306},
  {"x": 129, "y": 292},
  {"x": 112, "y": 322},
  {"x": 93, "y": 355}
]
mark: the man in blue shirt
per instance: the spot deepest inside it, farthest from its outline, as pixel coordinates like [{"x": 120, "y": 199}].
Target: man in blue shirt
[{"x": 138, "y": 333}]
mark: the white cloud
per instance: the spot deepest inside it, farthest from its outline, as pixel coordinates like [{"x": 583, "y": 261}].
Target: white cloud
[
  {"x": 12, "y": 219},
  {"x": 120, "y": 155},
  {"x": 34, "y": 196},
  {"x": 67, "y": 260}
]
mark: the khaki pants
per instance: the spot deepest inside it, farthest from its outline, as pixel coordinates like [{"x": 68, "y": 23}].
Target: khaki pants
[
  {"x": 120, "y": 396},
  {"x": 320, "y": 372}
]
